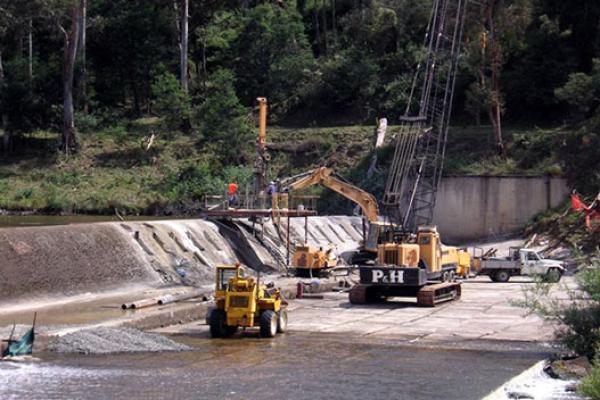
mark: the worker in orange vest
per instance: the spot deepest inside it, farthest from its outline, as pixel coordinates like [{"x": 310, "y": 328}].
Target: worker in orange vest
[{"x": 232, "y": 189}]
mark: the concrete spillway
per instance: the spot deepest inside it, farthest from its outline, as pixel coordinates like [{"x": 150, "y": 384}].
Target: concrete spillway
[{"x": 71, "y": 259}]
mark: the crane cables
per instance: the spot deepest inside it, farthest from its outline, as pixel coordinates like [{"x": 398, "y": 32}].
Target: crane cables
[{"x": 416, "y": 168}]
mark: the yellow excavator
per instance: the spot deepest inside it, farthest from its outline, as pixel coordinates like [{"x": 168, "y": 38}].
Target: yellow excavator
[
  {"x": 420, "y": 266},
  {"x": 391, "y": 263},
  {"x": 309, "y": 261}
]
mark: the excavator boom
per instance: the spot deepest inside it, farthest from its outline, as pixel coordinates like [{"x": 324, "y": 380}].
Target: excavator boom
[{"x": 326, "y": 177}]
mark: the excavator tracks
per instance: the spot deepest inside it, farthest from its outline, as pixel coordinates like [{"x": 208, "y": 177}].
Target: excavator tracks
[
  {"x": 358, "y": 294},
  {"x": 431, "y": 295}
]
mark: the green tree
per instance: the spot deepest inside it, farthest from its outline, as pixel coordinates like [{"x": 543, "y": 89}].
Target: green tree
[
  {"x": 272, "y": 57},
  {"x": 170, "y": 102},
  {"x": 222, "y": 120},
  {"x": 582, "y": 90}
]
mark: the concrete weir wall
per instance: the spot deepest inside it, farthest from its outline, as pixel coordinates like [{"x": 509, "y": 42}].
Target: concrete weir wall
[
  {"x": 73, "y": 259},
  {"x": 475, "y": 207}
]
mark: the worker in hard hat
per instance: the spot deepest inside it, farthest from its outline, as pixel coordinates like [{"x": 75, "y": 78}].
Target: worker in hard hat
[
  {"x": 232, "y": 189},
  {"x": 272, "y": 188}
]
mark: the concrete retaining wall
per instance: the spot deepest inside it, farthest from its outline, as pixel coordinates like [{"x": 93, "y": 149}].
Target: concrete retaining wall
[{"x": 474, "y": 207}]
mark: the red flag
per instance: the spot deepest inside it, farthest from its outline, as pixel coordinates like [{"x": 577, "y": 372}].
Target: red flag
[{"x": 576, "y": 203}]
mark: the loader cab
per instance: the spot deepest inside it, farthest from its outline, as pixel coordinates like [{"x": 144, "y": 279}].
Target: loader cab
[{"x": 223, "y": 275}]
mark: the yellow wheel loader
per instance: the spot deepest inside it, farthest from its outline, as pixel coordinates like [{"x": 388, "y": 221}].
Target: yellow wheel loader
[{"x": 241, "y": 301}]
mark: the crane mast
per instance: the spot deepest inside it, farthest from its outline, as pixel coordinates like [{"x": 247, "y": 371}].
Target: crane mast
[{"x": 416, "y": 167}]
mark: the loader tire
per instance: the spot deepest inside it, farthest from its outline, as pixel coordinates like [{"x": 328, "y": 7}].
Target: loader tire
[
  {"x": 218, "y": 323},
  {"x": 230, "y": 330},
  {"x": 268, "y": 324},
  {"x": 282, "y": 320}
]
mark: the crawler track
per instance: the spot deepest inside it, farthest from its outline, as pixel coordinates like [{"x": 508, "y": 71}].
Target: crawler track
[{"x": 431, "y": 295}]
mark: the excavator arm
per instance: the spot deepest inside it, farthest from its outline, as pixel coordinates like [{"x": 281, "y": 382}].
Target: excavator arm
[{"x": 326, "y": 177}]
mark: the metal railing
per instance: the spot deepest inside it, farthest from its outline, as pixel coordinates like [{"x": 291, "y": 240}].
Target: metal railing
[{"x": 277, "y": 201}]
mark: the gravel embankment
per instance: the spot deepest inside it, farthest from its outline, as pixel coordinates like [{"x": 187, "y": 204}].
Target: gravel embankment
[{"x": 104, "y": 340}]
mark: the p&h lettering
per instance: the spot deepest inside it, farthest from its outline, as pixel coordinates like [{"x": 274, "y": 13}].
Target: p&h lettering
[{"x": 394, "y": 276}]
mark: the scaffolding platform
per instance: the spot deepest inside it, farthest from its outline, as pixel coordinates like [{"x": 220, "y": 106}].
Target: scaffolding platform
[
  {"x": 248, "y": 213},
  {"x": 246, "y": 206}
]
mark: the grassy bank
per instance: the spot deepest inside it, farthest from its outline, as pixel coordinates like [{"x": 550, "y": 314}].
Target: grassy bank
[{"x": 114, "y": 169}]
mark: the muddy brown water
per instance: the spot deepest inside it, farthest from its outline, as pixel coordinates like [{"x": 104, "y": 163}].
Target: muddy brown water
[{"x": 292, "y": 366}]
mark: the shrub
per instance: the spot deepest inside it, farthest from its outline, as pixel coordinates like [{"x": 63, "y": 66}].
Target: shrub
[
  {"x": 579, "y": 318},
  {"x": 170, "y": 102},
  {"x": 590, "y": 385},
  {"x": 86, "y": 123},
  {"x": 116, "y": 133}
]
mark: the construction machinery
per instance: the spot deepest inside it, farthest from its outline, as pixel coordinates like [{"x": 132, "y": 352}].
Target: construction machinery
[
  {"x": 241, "y": 301},
  {"x": 409, "y": 269},
  {"x": 311, "y": 262},
  {"x": 308, "y": 259},
  {"x": 419, "y": 265}
]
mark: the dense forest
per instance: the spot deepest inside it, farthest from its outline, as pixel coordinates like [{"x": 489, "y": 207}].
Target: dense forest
[{"x": 78, "y": 73}]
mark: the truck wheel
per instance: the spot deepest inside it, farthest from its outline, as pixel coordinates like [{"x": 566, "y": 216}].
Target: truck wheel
[
  {"x": 268, "y": 324},
  {"x": 502, "y": 276},
  {"x": 218, "y": 323},
  {"x": 282, "y": 320},
  {"x": 445, "y": 276},
  {"x": 553, "y": 275}
]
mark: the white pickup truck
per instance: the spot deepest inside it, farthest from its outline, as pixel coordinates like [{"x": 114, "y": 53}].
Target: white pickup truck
[{"x": 519, "y": 262}]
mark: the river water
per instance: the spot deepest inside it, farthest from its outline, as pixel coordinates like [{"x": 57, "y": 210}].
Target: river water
[{"x": 292, "y": 366}]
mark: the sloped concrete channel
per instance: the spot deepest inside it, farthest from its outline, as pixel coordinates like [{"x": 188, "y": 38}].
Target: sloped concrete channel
[
  {"x": 71, "y": 259},
  {"x": 77, "y": 276}
]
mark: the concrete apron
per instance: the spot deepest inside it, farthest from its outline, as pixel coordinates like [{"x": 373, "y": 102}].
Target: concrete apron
[{"x": 105, "y": 311}]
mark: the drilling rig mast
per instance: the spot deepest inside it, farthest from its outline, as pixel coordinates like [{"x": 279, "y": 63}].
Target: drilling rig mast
[{"x": 416, "y": 168}]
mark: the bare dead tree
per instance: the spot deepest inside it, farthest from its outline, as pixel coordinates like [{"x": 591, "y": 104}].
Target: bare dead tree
[
  {"x": 30, "y": 52},
  {"x": 6, "y": 138},
  {"x": 81, "y": 53},
  {"x": 184, "y": 44},
  {"x": 71, "y": 37},
  {"x": 495, "y": 100}
]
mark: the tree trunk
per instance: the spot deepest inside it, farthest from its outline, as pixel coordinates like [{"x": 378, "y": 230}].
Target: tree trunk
[
  {"x": 317, "y": 30},
  {"x": 30, "y": 54},
  {"x": 6, "y": 138},
  {"x": 204, "y": 71},
  {"x": 495, "y": 108},
  {"x": 324, "y": 27},
  {"x": 69, "y": 141},
  {"x": 334, "y": 23},
  {"x": 184, "y": 44},
  {"x": 81, "y": 51}
]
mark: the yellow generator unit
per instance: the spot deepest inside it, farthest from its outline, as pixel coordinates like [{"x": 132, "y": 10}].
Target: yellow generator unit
[
  {"x": 241, "y": 301},
  {"x": 309, "y": 262}
]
